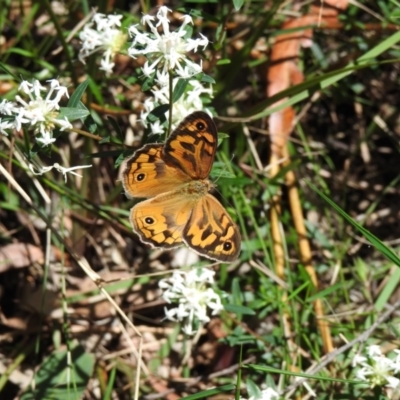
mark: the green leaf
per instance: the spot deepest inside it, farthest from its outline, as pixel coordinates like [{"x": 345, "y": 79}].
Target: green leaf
[
  {"x": 252, "y": 389},
  {"x": 117, "y": 128},
  {"x": 207, "y": 79},
  {"x": 106, "y": 139},
  {"x": 165, "y": 349},
  {"x": 219, "y": 170},
  {"x": 111, "y": 384},
  {"x": 96, "y": 91},
  {"x": 148, "y": 83},
  {"x": 330, "y": 289},
  {"x": 378, "y": 244},
  {"x": 62, "y": 375},
  {"x": 158, "y": 113},
  {"x": 8, "y": 72},
  {"x": 73, "y": 113},
  {"x": 77, "y": 95},
  {"x": 365, "y": 58},
  {"x": 90, "y": 124},
  {"x": 238, "y": 4},
  {"x": 223, "y": 61},
  {"x": 239, "y": 309},
  {"x": 227, "y": 179},
  {"x": 298, "y": 374},
  {"x": 188, "y": 32},
  {"x": 305, "y": 89},
  {"x": 199, "y": 13},
  {"x": 11, "y": 202},
  {"x": 120, "y": 160},
  {"x": 179, "y": 89}
]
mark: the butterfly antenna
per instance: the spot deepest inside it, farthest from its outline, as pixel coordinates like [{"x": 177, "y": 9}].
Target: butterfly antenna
[
  {"x": 216, "y": 188},
  {"x": 220, "y": 174}
]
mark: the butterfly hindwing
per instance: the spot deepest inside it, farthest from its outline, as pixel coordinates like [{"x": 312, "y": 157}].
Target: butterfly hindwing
[
  {"x": 211, "y": 231},
  {"x": 161, "y": 220}
]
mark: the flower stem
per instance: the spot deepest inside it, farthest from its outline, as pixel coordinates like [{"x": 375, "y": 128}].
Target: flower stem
[{"x": 170, "y": 102}]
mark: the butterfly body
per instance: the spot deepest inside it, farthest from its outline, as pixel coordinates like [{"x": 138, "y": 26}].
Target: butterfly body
[{"x": 179, "y": 208}]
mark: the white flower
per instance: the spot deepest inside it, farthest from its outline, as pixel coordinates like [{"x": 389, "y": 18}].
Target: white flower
[
  {"x": 187, "y": 19},
  {"x": 5, "y": 125},
  {"x": 25, "y": 87},
  {"x": 148, "y": 70},
  {"x": 396, "y": 362},
  {"x": 392, "y": 382},
  {"x": 189, "y": 70},
  {"x": 38, "y": 113},
  {"x": 107, "y": 37},
  {"x": 357, "y": 359},
  {"x": 114, "y": 20},
  {"x": 64, "y": 124},
  {"x": 59, "y": 168},
  {"x": 193, "y": 44},
  {"x": 41, "y": 113},
  {"x": 188, "y": 290},
  {"x": 46, "y": 138},
  {"x": 269, "y": 394},
  {"x": 167, "y": 50},
  {"x": 184, "y": 256},
  {"x": 19, "y": 120},
  {"x": 167, "y": 62},
  {"x": 374, "y": 350},
  {"x": 189, "y": 102},
  {"x": 106, "y": 65},
  {"x": 376, "y": 368},
  {"x": 162, "y": 78},
  {"x": 146, "y": 19},
  {"x": 266, "y": 394},
  {"x": 157, "y": 128},
  {"x": 188, "y": 330},
  {"x": 37, "y": 88},
  {"x": 7, "y": 107}
]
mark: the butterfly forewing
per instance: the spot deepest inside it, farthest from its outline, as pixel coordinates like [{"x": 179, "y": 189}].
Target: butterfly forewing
[
  {"x": 146, "y": 174},
  {"x": 192, "y": 145}
]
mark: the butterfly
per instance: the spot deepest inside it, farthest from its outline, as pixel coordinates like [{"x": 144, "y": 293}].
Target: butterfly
[{"x": 174, "y": 178}]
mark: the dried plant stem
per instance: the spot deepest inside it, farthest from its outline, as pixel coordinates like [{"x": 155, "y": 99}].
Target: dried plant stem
[
  {"x": 305, "y": 252},
  {"x": 279, "y": 256}
]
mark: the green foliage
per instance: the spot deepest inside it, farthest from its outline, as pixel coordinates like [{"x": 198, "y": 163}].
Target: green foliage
[{"x": 59, "y": 378}]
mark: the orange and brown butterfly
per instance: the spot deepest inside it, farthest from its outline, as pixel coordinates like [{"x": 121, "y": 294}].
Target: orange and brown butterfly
[{"x": 174, "y": 176}]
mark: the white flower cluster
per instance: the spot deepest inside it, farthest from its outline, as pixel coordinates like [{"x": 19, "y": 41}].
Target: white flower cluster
[
  {"x": 38, "y": 113},
  {"x": 189, "y": 102},
  {"x": 167, "y": 57},
  {"x": 166, "y": 54},
  {"x": 266, "y": 394},
  {"x": 377, "y": 369},
  {"x": 167, "y": 49},
  {"x": 190, "y": 291},
  {"x": 59, "y": 168},
  {"x": 107, "y": 37}
]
